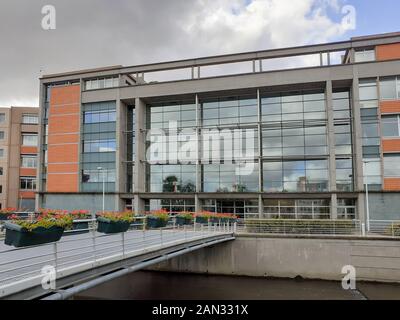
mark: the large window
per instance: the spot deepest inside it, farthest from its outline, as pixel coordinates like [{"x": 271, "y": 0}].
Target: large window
[
  {"x": 296, "y": 209},
  {"x": 293, "y": 107},
  {"x": 30, "y": 119},
  {"x": 344, "y": 174},
  {"x": 364, "y": 55},
  {"x": 296, "y": 176},
  {"x": 98, "y": 146},
  {"x": 91, "y": 146},
  {"x": 29, "y": 139},
  {"x": 392, "y": 165},
  {"x": 172, "y": 178},
  {"x": 28, "y": 183},
  {"x": 230, "y": 110},
  {"x": 97, "y": 175},
  {"x": 391, "y": 126},
  {"x": 230, "y": 177},
  {"x": 368, "y": 93},
  {"x": 241, "y": 208},
  {"x": 373, "y": 173},
  {"x": 99, "y": 116},
  {"x": 1, "y": 135},
  {"x": 2, "y": 117},
  {"x": 102, "y": 83},
  {"x": 172, "y": 206},
  {"x": 161, "y": 115},
  {"x": 28, "y": 161},
  {"x": 390, "y": 88}
]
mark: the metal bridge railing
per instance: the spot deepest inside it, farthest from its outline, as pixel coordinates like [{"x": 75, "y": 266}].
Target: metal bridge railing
[
  {"x": 83, "y": 249},
  {"x": 300, "y": 227},
  {"x": 390, "y": 228}
]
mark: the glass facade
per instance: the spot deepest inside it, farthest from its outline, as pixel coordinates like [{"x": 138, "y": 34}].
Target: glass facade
[
  {"x": 371, "y": 143},
  {"x": 342, "y": 118},
  {"x": 98, "y": 147},
  {"x": 296, "y": 209},
  {"x": 172, "y": 206}
]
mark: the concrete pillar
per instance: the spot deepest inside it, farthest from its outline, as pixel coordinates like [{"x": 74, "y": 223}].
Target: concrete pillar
[
  {"x": 334, "y": 205},
  {"x": 199, "y": 145},
  {"x": 260, "y": 206},
  {"x": 260, "y": 155},
  {"x": 357, "y": 146},
  {"x": 331, "y": 147},
  {"x": 140, "y": 160},
  {"x": 197, "y": 203},
  {"x": 121, "y": 152},
  {"x": 138, "y": 204}
]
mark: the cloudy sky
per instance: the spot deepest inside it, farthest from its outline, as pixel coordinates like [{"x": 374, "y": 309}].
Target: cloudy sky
[{"x": 96, "y": 33}]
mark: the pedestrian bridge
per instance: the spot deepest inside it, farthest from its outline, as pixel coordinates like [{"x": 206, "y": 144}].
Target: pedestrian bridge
[{"x": 81, "y": 261}]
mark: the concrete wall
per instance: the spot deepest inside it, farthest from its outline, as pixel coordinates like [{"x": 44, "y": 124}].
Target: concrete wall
[
  {"x": 92, "y": 202},
  {"x": 374, "y": 260}
]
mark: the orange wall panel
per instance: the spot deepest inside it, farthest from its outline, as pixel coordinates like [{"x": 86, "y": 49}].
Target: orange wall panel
[
  {"x": 62, "y": 182},
  {"x": 29, "y": 150},
  {"x": 63, "y": 138},
  {"x": 391, "y": 145},
  {"x": 65, "y": 95},
  {"x": 67, "y": 153},
  {"x": 65, "y": 109},
  {"x": 27, "y": 172},
  {"x": 388, "y": 52},
  {"x": 62, "y": 168},
  {"x": 64, "y": 124},
  {"x": 392, "y": 184},
  {"x": 390, "y": 106},
  {"x": 27, "y": 195}
]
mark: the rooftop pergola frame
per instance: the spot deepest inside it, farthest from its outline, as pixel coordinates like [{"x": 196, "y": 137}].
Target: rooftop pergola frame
[{"x": 193, "y": 68}]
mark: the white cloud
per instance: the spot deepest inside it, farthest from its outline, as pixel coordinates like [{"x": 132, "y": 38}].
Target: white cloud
[{"x": 135, "y": 32}]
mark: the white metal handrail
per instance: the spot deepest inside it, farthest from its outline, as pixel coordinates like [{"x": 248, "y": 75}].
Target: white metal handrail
[{"x": 80, "y": 252}]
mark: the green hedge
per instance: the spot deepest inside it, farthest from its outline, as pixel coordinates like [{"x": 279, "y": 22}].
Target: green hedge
[
  {"x": 393, "y": 230},
  {"x": 297, "y": 226}
]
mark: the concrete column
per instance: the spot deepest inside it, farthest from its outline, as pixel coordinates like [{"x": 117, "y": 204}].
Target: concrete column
[
  {"x": 357, "y": 147},
  {"x": 140, "y": 164},
  {"x": 138, "y": 204},
  {"x": 120, "y": 155},
  {"x": 331, "y": 147},
  {"x": 260, "y": 155},
  {"x": 197, "y": 201},
  {"x": 260, "y": 206}
]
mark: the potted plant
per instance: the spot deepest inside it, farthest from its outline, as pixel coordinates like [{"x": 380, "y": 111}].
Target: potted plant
[
  {"x": 203, "y": 216},
  {"x": 77, "y": 217},
  {"x": 184, "y": 218},
  {"x": 157, "y": 219},
  {"x": 43, "y": 229},
  {"x": 114, "y": 222},
  {"x": 6, "y": 213}
]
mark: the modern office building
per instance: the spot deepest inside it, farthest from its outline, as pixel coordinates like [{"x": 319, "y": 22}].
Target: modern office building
[
  {"x": 18, "y": 157},
  {"x": 305, "y": 130}
]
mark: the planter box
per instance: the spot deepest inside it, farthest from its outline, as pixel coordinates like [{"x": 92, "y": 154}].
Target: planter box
[
  {"x": 180, "y": 221},
  {"x": 201, "y": 220},
  {"x": 156, "y": 222},
  {"x": 107, "y": 226},
  {"x": 20, "y": 237},
  {"x": 4, "y": 217}
]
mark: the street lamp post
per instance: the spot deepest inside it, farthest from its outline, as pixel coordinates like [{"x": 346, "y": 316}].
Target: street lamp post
[
  {"x": 366, "y": 195},
  {"x": 101, "y": 169}
]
